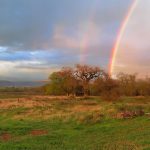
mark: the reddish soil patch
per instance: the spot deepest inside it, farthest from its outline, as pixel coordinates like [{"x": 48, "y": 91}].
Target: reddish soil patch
[
  {"x": 5, "y": 137},
  {"x": 38, "y": 132}
]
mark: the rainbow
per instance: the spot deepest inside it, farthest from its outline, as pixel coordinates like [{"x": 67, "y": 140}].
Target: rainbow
[
  {"x": 120, "y": 34},
  {"x": 88, "y": 31}
]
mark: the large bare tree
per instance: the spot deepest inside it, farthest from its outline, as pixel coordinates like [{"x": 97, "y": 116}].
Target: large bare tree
[{"x": 86, "y": 74}]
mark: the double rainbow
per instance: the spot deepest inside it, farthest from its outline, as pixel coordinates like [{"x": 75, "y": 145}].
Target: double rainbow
[{"x": 85, "y": 39}]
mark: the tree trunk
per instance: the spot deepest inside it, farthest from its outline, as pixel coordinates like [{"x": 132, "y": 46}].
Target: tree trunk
[{"x": 86, "y": 89}]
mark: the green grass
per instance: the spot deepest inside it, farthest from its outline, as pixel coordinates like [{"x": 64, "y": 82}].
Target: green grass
[
  {"x": 77, "y": 130},
  {"x": 71, "y": 135},
  {"x": 76, "y": 136}
]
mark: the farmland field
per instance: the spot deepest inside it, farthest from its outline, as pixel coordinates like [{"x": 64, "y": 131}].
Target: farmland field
[{"x": 65, "y": 123}]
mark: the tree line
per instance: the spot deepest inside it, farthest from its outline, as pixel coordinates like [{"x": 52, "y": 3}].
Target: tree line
[{"x": 90, "y": 80}]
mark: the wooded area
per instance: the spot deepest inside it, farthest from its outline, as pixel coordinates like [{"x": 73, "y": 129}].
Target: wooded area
[{"x": 84, "y": 80}]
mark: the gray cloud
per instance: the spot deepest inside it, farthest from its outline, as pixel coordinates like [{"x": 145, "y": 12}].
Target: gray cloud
[{"x": 57, "y": 33}]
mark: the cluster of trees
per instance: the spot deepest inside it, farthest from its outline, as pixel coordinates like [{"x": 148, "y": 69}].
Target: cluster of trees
[
  {"x": 81, "y": 80},
  {"x": 87, "y": 80},
  {"x": 131, "y": 86}
]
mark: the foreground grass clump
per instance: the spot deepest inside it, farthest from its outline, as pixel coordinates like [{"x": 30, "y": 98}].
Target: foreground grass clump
[{"x": 60, "y": 123}]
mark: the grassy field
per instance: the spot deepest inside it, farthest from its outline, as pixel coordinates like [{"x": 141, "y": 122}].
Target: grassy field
[{"x": 61, "y": 123}]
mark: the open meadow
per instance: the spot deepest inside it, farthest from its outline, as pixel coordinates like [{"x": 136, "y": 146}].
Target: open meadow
[
  {"x": 74, "y": 74},
  {"x": 30, "y": 122}
]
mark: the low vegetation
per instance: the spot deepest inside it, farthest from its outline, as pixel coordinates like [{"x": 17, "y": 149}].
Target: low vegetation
[{"x": 62, "y": 122}]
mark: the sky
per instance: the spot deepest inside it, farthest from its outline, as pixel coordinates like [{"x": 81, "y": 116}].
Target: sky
[
  {"x": 38, "y": 37},
  {"x": 133, "y": 54}
]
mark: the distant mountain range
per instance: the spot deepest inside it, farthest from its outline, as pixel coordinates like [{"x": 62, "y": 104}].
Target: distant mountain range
[{"x": 5, "y": 83}]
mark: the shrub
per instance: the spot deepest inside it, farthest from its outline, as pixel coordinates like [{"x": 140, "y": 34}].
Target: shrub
[
  {"x": 112, "y": 95},
  {"x": 126, "y": 111}
]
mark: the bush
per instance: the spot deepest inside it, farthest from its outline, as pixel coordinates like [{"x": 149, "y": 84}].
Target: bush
[
  {"x": 126, "y": 111},
  {"x": 112, "y": 95}
]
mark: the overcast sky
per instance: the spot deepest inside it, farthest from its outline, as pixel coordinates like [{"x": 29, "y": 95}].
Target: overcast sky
[
  {"x": 134, "y": 51},
  {"x": 38, "y": 37}
]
